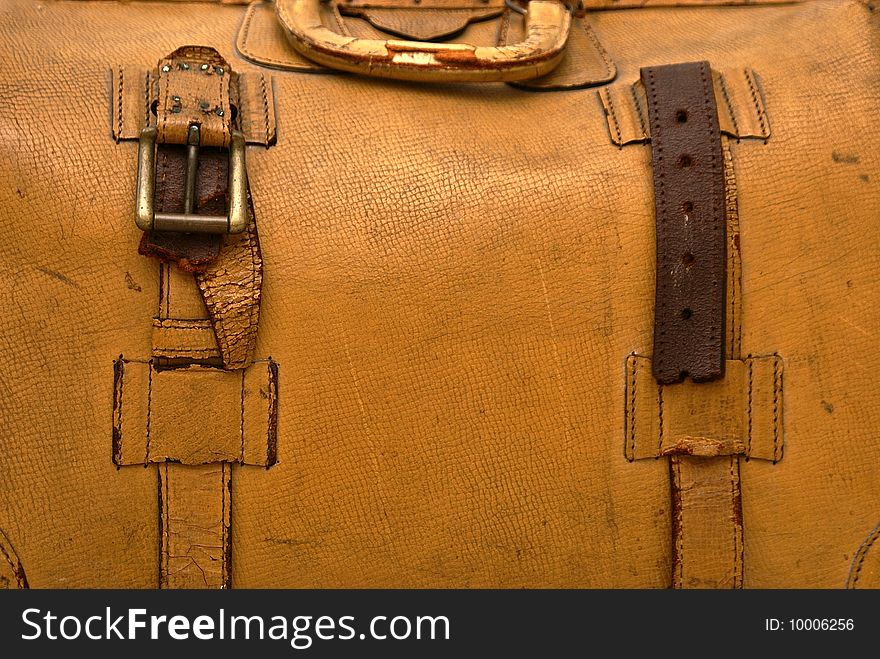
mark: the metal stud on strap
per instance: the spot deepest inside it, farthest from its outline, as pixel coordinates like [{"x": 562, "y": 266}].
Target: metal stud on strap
[{"x": 148, "y": 219}]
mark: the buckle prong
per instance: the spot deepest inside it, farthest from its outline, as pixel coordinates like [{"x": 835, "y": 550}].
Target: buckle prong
[
  {"x": 194, "y": 136},
  {"x": 148, "y": 219}
]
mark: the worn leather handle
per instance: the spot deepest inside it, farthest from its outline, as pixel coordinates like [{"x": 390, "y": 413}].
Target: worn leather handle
[{"x": 547, "y": 27}]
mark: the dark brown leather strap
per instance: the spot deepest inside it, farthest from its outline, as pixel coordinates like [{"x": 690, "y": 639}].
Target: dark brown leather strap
[
  {"x": 691, "y": 234},
  {"x": 191, "y": 251}
]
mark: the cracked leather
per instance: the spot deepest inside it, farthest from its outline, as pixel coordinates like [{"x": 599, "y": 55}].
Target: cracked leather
[{"x": 454, "y": 276}]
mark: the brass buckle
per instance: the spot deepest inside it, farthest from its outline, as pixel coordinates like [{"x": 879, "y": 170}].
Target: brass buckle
[{"x": 148, "y": 219}]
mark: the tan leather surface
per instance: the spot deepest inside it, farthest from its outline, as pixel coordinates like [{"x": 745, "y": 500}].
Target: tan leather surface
[
  {"x": 454, "y": 277},
  {"x": 419, "y": 23}
]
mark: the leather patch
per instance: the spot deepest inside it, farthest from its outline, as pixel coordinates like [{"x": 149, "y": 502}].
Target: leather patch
[
  {"x": 195, "y": 524},
  {"x": 158, "y": 415},
  {"x": 231, "y": 287},
  {"x": 262, "y": 40},
  {"x": 689, "y": 312}
]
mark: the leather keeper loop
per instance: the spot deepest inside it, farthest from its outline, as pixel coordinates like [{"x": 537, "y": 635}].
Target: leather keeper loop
[
  {"x": 739, "y": 415},
  {"x": 195, "y": 415}
]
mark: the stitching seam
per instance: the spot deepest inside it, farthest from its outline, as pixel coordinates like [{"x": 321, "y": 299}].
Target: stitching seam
[
  {"x": 613, "y": 115},
  {"x": 642, "y": 125},
  {"x": 610, "y": 69},
  {"x": 758, "y": 109},
  {"x": 749, "y": 410},
  {"x": 660, "y": 406},
  {"x": 265, "y": 107},
  {"x": 242, "y": 415},
  {"x": 862, "y": 554},
  {"x": 119, "y": 119},
  {"x": 777, "y": 384},
  {"x": 149, "y": 410},
  {"x": 245, "y": 49},
  {"x": 631, "y": 417},
  {"x": 723, "y": 86}
]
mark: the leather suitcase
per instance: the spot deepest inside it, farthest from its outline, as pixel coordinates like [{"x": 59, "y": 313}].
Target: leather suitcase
[{"x": 453, "y": 293}]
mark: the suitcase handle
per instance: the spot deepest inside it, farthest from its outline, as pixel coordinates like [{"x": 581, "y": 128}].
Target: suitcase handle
[{"x": 547, "y": 27}]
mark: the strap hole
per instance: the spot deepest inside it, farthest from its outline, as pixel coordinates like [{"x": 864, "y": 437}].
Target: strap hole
[
  {"x": 683, "y": 375},
  {"x": 685, "y": 161},
  {"x": 687, "y": 206},
  {"x": 681, "y": 116},
  {"x": 686, "y": 313},
  {"x": 687, "y": 259}
]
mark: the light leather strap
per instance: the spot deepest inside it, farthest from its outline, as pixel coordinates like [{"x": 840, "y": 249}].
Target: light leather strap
[
  {"x": 194, "y": 500},
  {"x": 689, "y": 198}
]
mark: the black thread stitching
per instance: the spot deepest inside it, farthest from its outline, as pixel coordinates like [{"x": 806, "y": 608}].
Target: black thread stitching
[
  {"x": 777, "y": 382},
  {"x": 679, "y": 513},
  {"x": 722, "y": 84},
  {"x": 149, "y": 409},
  {"x": 613, "y": 115},
  {"x": 610, "y": 69},
  {"x": 642, "y": 124},
  {"x": 242, "y": 416},
  {"x": 657, "y": 147},
  {"x": 629, "y": 405},
  {"x": 119, "y": 118},
  {"x": 758, "y": 109},
  {"x": 147, "y": 94},
  {"x": 660, "y": 407},
  {"x": 749, "y": 409}
]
